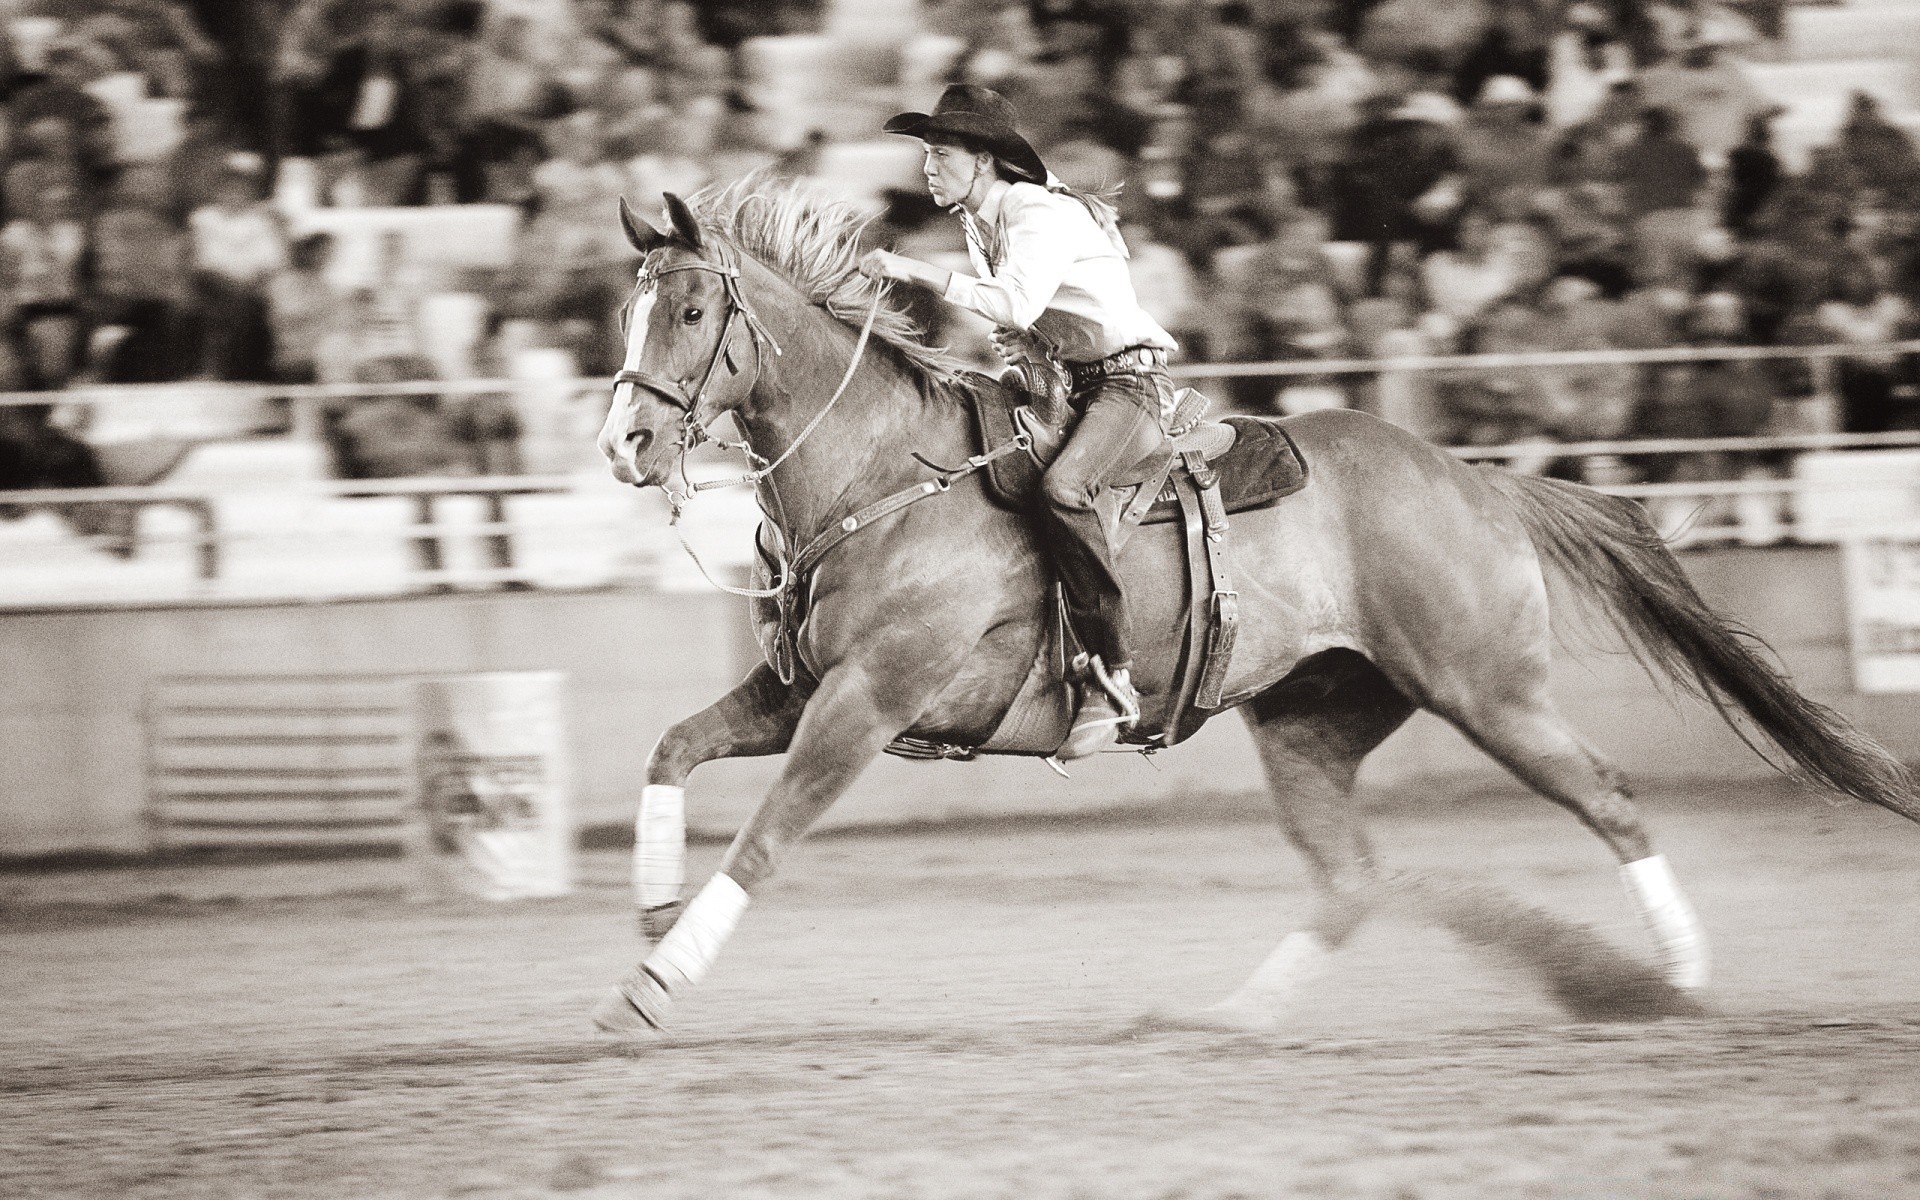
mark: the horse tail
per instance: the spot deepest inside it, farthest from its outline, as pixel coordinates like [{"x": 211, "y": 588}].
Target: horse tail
[{"x": 1616, "y": 560}]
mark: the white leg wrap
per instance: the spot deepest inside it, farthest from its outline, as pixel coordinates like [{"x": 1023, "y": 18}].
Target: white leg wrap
[
  {"x": 660, "y": 845},
  {"x": 684, "y": 955},
  {"x": 1669, "y": 919},
  {"x": 1300, "y": 958}
]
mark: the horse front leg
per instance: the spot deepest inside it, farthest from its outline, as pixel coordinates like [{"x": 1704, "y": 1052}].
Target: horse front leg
[
  {"x": 756, "y": 718},
  {"x": 844, "y": 726}
]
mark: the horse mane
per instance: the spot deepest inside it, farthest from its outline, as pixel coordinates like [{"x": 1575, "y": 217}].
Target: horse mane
[{"x": 813, "y": 243}]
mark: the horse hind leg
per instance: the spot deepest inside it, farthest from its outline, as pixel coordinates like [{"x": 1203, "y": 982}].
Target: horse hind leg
[
  {"x": 1311, "y": 730},
  {"x": 1529, "y": 737}
]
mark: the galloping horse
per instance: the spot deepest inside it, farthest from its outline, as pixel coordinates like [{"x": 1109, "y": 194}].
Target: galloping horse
[{"x": 1401, "y": 578}]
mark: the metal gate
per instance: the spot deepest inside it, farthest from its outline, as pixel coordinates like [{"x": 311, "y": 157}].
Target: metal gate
[{"x": 257, "y": 760}]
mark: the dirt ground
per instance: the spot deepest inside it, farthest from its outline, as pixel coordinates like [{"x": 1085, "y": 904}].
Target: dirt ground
[{"x": 956, "y": 1014}]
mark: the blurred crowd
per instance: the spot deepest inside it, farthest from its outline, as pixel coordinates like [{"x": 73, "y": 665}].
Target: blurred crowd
[
  {"x": 1300, "y": 180},
  {"x": 158, "y": 161},
  {"x": 1316, "y": 179}
]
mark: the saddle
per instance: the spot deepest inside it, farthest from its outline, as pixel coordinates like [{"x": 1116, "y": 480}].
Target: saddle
[
  {"x": 1256, "y": 461},
  {"x": 1212, "y": 469}
]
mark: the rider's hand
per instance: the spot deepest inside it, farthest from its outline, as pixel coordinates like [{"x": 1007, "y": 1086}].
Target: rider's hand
[
  {"x": 1015, "y": 345},
  {"x": 879, "y": 264}
]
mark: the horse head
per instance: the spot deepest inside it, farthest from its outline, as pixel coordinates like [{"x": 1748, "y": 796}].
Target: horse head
[{"x": 683, "y": 362}]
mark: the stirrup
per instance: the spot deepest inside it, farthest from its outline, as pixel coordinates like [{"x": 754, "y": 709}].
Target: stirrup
[
  {"x": 1119, "y": 690},
  {"x": 1090, "y": 735}
]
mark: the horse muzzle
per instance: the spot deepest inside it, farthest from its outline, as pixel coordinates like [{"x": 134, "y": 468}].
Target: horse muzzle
[{"x": 627, "y": 456}]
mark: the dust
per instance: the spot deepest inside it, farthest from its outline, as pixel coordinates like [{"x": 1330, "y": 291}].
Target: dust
[{"x": 1577, "y": 968}]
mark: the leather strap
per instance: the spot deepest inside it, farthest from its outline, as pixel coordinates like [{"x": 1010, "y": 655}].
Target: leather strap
[
  {"x": 1183, "y": 716},
  {"x": 1224, "y": 608},
  {"x": 803, "y": 563}
]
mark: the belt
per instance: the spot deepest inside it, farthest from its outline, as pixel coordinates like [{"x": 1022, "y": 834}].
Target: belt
[{"x": 1131, "y": 360}]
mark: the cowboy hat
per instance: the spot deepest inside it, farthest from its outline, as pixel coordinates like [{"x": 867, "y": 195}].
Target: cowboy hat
[
  {"x": 1506, "y": 89},
  {"x": 1430, "y": 107},
  {"x": 976, "y": 117}
]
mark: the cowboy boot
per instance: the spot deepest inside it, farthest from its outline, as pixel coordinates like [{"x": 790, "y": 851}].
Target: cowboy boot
[{"x": 1108, "y": 706}]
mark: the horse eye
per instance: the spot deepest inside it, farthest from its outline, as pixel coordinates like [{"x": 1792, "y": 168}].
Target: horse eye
[{"x": 691, "y": 316}]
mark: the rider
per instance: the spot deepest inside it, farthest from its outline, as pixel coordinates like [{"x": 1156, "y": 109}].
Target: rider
[{"x": 1051, "y": 273}]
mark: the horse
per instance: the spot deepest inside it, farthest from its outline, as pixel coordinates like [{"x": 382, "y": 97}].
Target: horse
[{"x": 1401, "y": 578}]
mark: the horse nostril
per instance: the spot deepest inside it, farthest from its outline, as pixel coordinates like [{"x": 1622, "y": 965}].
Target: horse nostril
[{"x": 638, "y": 441}]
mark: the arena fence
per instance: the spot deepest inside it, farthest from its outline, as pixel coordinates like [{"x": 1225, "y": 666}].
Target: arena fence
[
  {"x": 442, "y": 533},
  {"x": 238, "y": 760}
]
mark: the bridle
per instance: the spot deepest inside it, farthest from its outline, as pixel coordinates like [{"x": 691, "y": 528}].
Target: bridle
[
  {"x": 693, "y": 430},
  {"x": 790, "y": 569}
]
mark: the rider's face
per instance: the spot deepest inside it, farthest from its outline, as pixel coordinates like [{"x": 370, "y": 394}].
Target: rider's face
[{"x": 951, "y": 172}]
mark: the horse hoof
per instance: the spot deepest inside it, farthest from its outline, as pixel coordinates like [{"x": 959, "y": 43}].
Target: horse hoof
[{"x": 616, "y": 1015}]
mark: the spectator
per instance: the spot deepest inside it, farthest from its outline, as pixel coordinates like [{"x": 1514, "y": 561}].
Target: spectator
[
  {"x": 47, "y": 156},
  {"x": 237, "y": 245},
  {"x": 1710, "y": 99},
  {"x": 680, "y": 167},
  {"x": 1400, "y": 178},
  {"x": 1588, "y": 60},
  {"x": 1502, "y": 145},
  {"x": 166, "y": 46},
  {"x": 142, "y": 288},
  {"x": 1588, "y": 231},
  {"x": 368, "y": 110},
  {"x": 303, "y": 309},
  {"x": 386, "y": 324},
  {"x": 1778, "y": 274},
  {"x": 1542, "y": 403},
  {"x": 36, "y": 454},
  {"x": 41, "y": 257},
  {"x": 632, "y": 112},
  {"x": 1753, "y": 173},
  {"x": 1732, "y": 398},
  {"x": 1514, "y": 46},
  {"x": 509, "y": 95},
  {"x": 580, "y": 181},
  {"x": 1462, "y": 283},
  {"x": 1222, "y": 189},
  {"x": 392, "y": 437},
  {"x": 61, "y": 94},
  {"x": 197, "y": 168},
  {"x": 691, "y": 67},
  {"x": 1660, "y": 180},
  {"x": 1288, "y": 303},
  {"x": 1876, "y": 157},
  {"x": 1861, "y": 311}
]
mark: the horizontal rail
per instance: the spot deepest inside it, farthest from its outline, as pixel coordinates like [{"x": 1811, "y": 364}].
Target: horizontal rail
[
  {"x": 1898, "y": 439},
  {"x": 1541, "y": 358},
  {"x": 350, "y": 489},
  {"x": 163, "y": 393}
]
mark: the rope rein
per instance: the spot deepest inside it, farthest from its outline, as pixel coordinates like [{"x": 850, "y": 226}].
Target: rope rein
[
  {"x": 677, "y": 501},
  {"x": 853, "y": 364},
  {"x": 789, "y": 569}
]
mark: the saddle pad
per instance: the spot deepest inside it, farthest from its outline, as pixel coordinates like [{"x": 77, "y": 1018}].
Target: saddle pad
[{"x": 1262, "y": 467}]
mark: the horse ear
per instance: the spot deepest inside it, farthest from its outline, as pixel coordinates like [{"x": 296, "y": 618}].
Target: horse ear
[
  {"x": 684, "y": 223},
  {"x": 640, "y": 235}
]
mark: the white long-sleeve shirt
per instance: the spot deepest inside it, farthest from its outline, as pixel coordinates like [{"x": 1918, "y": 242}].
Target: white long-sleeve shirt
[{"x": 1044, "y": 264}]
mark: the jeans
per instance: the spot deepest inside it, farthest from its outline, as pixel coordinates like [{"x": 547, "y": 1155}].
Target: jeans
[{"x": 1120, "y": 427}]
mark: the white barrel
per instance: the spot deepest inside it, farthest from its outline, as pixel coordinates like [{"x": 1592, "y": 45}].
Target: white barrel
[{"x": 492, "y": 815}]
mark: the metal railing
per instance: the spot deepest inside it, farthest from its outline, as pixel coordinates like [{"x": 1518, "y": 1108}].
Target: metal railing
[{"x": 427, "y": 534}]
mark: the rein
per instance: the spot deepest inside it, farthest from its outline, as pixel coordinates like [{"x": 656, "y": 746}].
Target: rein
[{"x": 790, "y": 570}]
